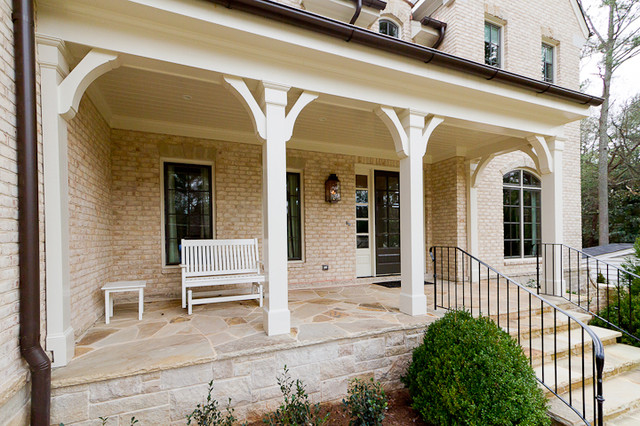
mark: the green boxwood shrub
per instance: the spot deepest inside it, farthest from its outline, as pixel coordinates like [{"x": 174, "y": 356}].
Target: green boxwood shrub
[{"x": 470, "y": 372}]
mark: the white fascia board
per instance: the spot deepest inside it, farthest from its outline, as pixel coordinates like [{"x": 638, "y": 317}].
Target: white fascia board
[
  {"x": 342, "y": 10},
  {"x": 214, "y": 38},
  {"x": 425, "y": 8},
  {"x": 582, "y": 22}
]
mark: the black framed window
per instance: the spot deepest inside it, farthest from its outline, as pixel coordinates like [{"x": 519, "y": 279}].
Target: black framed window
[
  {"x": 522, "y": 213},
  {"x": 389, "y": 28},
  {"x": 492, "y": 44},
  {"x": 294, "y": 216},
  {"x": 547, "y": 63},
  {"x": 187, "y": 206}
]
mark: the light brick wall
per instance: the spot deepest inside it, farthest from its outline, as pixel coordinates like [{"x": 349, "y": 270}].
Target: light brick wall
[
  {"x": 90, "y": 214},
  {"x": 14, "y": 386},
  {"x": 137, "y": 219}
]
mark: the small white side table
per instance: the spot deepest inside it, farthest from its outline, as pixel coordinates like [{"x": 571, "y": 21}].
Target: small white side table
[{"x": 120, "y": 286}]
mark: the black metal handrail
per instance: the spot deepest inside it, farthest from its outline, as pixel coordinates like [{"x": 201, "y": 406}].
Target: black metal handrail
[
  {"x": 462, "y": 281},
  {"x": 580, "y": 272}
]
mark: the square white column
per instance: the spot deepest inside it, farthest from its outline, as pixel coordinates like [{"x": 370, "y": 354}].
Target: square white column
[
  {"x": 277, "y": 318},
  {"x": 412, "y": 241},
  {"x": 60, "y": 336},
  {"x": 552, "y": 222}
]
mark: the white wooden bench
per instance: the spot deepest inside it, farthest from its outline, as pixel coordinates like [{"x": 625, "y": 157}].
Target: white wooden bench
[{"x": 207, "y": 263}]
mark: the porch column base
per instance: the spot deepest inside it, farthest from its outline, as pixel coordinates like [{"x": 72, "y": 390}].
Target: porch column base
[
  {"x": 555, "y": 288},
  {"x": 413, "y": 304},
  {"x": 277, "y": 322},
  {"x": 62, "y": 346}
]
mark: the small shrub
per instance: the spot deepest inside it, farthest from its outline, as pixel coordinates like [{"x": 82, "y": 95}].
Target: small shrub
[
  {"x": 366, "y": 403},
  {"x": 296, "y": 408},
  {"x": 469, "y": 371},
  {"x": 600, "y": 279},
  {"x": 209, "y": 414}
]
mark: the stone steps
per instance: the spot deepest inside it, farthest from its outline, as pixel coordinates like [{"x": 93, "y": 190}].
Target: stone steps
[
  {"x": 546, "y": 348},
  {"x": 619, "y": 358},
  {"x": 621, "y": 375},
  {"x": 621, "y": 393}
]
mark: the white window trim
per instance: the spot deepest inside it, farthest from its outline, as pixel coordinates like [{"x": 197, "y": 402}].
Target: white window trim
[
  {"x": 302, "y": 217},
  {"x": 501, "y": 24},
  {"x": 164, "y": 160},
  {"x": 521, "y": 187}
]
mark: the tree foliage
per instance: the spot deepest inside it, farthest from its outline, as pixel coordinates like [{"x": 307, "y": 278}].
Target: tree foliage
[
  {"x": 618, "y": 42},
  {"x": 623, "y": 170}
]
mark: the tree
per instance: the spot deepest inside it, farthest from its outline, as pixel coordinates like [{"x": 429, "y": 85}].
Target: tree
[
  {"x": 620, "y": 43},
  {"x": 623, "y": 171}
]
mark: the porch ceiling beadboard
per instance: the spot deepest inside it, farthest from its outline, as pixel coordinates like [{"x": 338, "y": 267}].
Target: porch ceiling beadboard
[{"x": 139, "y": 100}]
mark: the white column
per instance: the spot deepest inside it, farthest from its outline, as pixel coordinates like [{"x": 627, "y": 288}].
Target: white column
[
  {"x": 275, "y": 128},
  {"x": 274, "y": 218},
  {"x": 552, "y": 220},
  {"x": 412, "y": 241},
  {"x": 472, "y": 217},
  {"x": 60, "y": 338}
]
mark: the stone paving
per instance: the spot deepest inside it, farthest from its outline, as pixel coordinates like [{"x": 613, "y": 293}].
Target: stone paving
[{"x": 168, "y": 338}]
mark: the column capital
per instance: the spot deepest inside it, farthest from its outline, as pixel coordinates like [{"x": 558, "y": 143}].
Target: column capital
[
  {"x": 272, "y": 94},
  {"x": 53, "y": 54}
]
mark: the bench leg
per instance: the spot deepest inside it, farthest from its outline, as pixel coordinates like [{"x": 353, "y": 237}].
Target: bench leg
[
  {"x": 190, "y": 306},
  {"x": 140, "y": 303},
  {"x": 111, "y": 305},
  {"x": 184, "y": 296},
  {"x": 106, "y": 307},
  {"x": 260, "y": 292}
]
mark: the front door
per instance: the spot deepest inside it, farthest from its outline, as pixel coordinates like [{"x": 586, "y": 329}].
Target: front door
[{"x": 387, "y": 220}]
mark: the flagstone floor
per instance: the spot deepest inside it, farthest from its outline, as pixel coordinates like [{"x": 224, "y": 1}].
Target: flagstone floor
[{"x": 167, "y": 337}]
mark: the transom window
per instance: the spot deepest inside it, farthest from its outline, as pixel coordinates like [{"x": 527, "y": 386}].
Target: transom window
[
  {"x": 294, "y": 216},
  {"x": 492, "y": 44},
  {"x": 389, "y": 28},
  {"x": 547, "y": 63},
  {"x": 187, "y": 206},
  {"x": 522, "y": 212}
]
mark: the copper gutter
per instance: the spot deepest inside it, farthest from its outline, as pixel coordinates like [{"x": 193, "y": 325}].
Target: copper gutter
[
  {"x": 342, "y": 30},
  {"x": 28, "y": 226},
  {"x": 439, "y": 26}
]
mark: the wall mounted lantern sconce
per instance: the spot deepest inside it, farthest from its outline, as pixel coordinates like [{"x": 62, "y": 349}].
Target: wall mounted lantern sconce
[{"x": 332, "y": 189}]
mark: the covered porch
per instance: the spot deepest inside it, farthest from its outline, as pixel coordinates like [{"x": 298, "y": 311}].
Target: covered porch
[{"x": 116, "y": 111}]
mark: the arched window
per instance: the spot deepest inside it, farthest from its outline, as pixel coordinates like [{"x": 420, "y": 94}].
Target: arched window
[
  {"x": 389, "y": 28},
  {"x": 521, "y": 201}
]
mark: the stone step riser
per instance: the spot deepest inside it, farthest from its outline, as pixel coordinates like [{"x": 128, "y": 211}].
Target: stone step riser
[
  {"x": 576, "y": 350},
  {"x": 577, "y": 378}
]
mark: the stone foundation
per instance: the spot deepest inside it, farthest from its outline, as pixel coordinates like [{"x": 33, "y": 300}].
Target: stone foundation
[{"x": 167, "y": 396}]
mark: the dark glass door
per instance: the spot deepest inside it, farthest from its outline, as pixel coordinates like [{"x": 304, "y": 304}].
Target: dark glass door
[{"x": 387, "y": 199}]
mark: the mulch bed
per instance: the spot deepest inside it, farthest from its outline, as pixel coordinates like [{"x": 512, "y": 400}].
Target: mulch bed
[{"x": 399, "y": 413}]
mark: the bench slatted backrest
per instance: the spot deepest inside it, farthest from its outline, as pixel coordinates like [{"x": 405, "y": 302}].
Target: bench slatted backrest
[{"x": 220, "y": 257}]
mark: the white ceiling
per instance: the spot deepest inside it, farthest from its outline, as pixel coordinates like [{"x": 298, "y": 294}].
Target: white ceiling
[{"x": 140, "y": 99}]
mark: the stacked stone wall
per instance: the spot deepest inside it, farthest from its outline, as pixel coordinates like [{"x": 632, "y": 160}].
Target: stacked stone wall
[{"x": 167, "y": 396}]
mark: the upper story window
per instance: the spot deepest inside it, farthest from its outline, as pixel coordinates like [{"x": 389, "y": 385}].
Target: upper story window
[
  {"x": 492, "y": 44},
  {"x": 522, "y": 212},
  {"x": 547, "y": 62},
  {"x": 389, "y": 28}
]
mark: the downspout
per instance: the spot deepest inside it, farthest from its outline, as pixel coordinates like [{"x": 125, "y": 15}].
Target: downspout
[
  {"x": 356, "y": 15},
  {"x": 440, "y": 26},
  {"x": 28, "y": 226}
]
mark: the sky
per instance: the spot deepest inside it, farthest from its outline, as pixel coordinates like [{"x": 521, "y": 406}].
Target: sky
[{"x": 626, "y": 81}]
